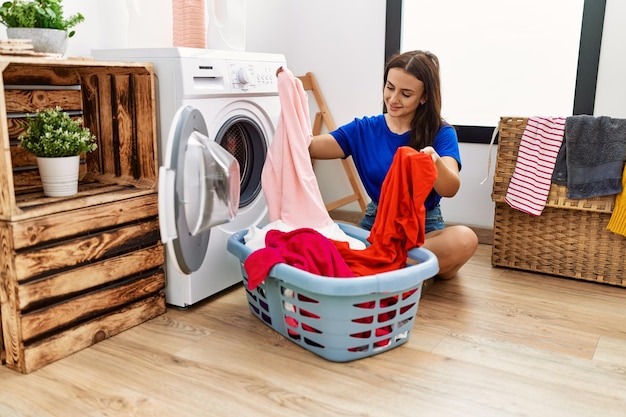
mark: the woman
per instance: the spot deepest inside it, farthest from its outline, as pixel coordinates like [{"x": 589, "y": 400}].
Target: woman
[{"x": 412, "y": 117}]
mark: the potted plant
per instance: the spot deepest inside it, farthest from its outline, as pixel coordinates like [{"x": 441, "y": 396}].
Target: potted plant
[
  {"x": 57, "y": 141},
  {"x": 41, "y": 21}
]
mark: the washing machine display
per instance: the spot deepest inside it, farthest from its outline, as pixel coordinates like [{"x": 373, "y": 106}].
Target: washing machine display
[{"x": 236, "y": 95}]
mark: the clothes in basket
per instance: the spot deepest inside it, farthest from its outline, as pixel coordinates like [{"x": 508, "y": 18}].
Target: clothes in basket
[{"x": 339, "y": 319}]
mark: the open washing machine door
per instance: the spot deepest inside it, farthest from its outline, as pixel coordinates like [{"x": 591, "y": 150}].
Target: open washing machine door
[{"x": 198, "y": 189}]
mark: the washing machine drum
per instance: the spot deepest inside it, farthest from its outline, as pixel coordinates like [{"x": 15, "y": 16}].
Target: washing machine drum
[{"x": 199, "y": 188}]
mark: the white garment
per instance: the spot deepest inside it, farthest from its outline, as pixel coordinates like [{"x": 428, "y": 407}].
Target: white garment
[{"x": 255, "y": 239}]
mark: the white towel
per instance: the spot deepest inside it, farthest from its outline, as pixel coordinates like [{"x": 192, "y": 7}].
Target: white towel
[{"x": 532, "y": 177}]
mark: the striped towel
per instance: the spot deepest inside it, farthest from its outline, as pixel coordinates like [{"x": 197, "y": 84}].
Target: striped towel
[{"x": 532, "y": 177}]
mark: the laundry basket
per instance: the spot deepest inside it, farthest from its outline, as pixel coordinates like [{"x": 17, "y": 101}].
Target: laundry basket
[{"x": 339, "y": 319}]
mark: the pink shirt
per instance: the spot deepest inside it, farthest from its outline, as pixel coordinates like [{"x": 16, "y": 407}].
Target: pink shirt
[{"x": 289, "y": 183}]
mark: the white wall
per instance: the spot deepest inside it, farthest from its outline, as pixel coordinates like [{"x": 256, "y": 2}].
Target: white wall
[
  {"x": 105, "y": 25},
  {"x": 342, "y": 43}
]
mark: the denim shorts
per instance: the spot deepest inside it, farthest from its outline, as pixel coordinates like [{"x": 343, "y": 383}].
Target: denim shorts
[{"x": 434, "y": 218}]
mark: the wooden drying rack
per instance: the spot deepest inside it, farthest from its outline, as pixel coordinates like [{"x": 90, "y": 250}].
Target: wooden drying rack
[{"x": 323, "y": 116}]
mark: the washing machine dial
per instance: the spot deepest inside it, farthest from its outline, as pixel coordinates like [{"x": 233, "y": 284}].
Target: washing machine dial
[{"x": 244, "y": 76}]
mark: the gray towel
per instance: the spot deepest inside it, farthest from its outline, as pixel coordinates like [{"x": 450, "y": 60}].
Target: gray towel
[
  {"x": 591, "y": 159},
  {"x": 559, "y": 175}
]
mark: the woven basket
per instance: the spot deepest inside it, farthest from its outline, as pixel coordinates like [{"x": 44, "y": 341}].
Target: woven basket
[{"x": 569, "y": 239}]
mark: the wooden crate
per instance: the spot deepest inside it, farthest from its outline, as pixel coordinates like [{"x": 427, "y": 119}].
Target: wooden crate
[
  {"x": 76, "y": 270},
  {"x": 568, "y": 239}
]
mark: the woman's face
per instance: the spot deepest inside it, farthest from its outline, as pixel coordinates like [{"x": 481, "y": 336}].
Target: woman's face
[{"x": 403, "y": 93}]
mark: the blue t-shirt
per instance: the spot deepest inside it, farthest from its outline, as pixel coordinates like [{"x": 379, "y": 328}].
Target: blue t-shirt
[{"x": 372, "y": 147}]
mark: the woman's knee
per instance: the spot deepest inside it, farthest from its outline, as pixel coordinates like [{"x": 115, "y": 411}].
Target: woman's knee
[
  {"x": 453, "y": 246},
  {"x": 455, "y": 240},
  {"x": 467, "y": 239}
]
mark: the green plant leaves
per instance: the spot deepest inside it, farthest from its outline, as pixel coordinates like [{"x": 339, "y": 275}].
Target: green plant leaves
[
  {"x": 53, "y": 133},
  {"x": 38, "y": 14}
]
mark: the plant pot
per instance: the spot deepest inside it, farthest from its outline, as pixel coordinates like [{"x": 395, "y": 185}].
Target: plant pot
[
  {"x": 59, "y": 176},
  {"x": 52, "y": 41}
]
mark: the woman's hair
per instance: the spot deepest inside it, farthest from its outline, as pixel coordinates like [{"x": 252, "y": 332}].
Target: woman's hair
[{"x": 427, "y": 119}]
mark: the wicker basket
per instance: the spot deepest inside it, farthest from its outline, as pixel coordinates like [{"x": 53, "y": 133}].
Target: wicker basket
[
  {"x": 569, "y": 239},
  {"x": 339, "y": 319}
]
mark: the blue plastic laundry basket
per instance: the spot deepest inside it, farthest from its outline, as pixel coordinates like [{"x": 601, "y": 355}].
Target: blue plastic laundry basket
[{"x": 339, "y": 319}]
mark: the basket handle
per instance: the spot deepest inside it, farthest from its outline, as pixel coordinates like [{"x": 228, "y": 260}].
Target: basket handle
[{"x": 493, "y": 139}]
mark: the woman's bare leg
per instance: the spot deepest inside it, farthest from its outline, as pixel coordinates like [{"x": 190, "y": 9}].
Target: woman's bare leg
[{"x": 453, "y": 246}]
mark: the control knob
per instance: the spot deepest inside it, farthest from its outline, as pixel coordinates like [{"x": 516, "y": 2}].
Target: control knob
[{"x": 244, "y": 76}]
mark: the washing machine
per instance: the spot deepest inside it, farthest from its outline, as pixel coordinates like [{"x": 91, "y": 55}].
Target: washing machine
[{"x": 229, "y": 98}]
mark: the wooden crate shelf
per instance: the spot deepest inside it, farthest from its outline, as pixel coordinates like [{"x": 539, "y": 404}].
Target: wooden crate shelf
[{"x": 76, "y": 270}]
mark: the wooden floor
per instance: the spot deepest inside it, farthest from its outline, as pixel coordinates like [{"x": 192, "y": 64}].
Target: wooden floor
[{"x": 491, "y": 342}]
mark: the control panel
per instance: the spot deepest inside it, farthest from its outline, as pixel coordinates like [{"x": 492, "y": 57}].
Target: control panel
[{"x": 253, "y": 76}]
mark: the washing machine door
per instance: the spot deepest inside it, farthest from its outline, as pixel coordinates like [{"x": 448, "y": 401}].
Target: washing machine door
[{"x": 198, "y": 189}]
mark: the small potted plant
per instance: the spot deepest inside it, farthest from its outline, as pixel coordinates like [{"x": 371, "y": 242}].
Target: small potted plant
[
  {"x": 41, "y": 21},
  {"x": 57, "y": 141}
]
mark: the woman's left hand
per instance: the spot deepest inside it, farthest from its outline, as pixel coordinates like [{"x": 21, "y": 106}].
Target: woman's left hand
[
  {"x": 448, "y": 181},
  {"x": 431, "y": 151}
]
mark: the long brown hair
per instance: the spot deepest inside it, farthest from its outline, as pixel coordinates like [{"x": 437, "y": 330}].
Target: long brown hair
[{"x": 427, "y": 120}]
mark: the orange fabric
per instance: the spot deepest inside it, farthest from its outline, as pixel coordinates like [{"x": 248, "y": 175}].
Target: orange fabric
[
  {"x": 617, "y": 222},
  {"x": 400, "y": 221}
]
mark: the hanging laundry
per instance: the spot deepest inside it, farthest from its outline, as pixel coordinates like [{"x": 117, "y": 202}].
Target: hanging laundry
[
  {"x": 289, "y": 183},
  {"x": 532, "y": 177},
  {"x": 592, "y": 157}
]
